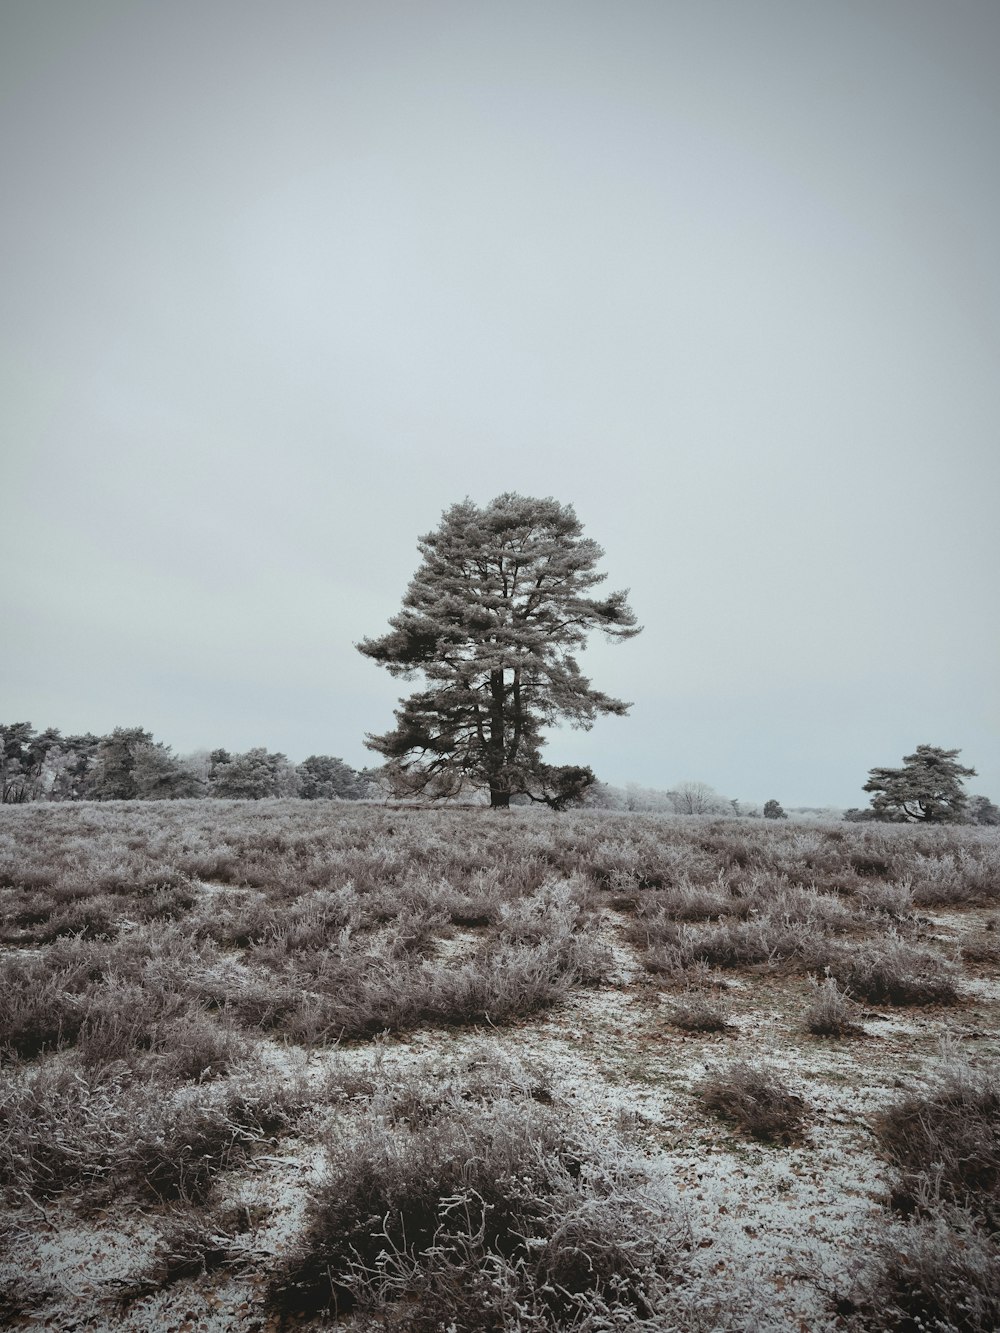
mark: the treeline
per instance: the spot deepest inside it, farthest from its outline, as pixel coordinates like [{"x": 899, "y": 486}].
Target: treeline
[{"x": 129, "y": 765}]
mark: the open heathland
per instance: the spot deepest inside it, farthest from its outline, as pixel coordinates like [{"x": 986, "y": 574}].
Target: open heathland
[{"x": 283, "y": 1064}]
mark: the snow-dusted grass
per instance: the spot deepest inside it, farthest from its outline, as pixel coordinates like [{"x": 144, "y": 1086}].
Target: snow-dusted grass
[{"x": 225, "y": 1026}]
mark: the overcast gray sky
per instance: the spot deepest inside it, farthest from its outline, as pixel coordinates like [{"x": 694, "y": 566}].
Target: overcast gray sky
[{"x": 281, "y": 282}]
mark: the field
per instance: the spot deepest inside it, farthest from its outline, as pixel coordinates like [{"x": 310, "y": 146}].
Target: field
[{"x": 271, "y": 1065}]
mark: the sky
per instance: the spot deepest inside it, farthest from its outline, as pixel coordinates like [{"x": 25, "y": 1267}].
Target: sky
[{"x": 281, "y": 283}]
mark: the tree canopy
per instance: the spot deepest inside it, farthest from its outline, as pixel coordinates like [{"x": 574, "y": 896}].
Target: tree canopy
[
  {"x": 927, "y": 789},
  {"x": 129, "y": 765},
  {"x": 492, "y": 618}
]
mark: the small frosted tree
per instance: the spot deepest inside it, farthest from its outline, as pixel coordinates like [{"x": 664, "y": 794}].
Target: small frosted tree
[
  {"x": 493, "y": 618},
  {"x": 773, "y": 810},
  {"x": 697, "y": 798},
  {"x": 927, "y": 789}
]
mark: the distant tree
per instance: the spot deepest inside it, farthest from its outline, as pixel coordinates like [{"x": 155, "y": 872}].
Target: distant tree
[
  {"x": 158, "y": 775},
  {"x": 602, "y": 796},
  {"x": 216, "y": 758},
  {"x": 322, "y": 777},
  {"x": 112, "y": 777},
  {"x": 773, "y": 810},
  {"x": 374, "y": 784},
  {"x": 981, "y": 810},
  {"x": 927, "y": 789},
  {"x": 564, "y": 785},
  {"x": 255, "y": 775},
  {"x": 23, "y": 754},
  {"x": 69, "y": 767},
  {"x": 697, "y": 798},
  {"x": 492, "y": 619},
  {"x": 646, "y": 800}
]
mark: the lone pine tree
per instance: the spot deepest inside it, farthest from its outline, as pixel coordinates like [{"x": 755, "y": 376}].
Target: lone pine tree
[
  {"x": 928, "y": 788},
  {"x": 492, "y": 619}
]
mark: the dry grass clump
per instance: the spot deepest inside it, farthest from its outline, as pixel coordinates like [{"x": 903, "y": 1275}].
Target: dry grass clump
[
  {"x": 484, "y": 1218},
  {"x": 762, "y": 921},
  {"x": 126, "y": 1000},
  {"x": 754, "y": 1100},
  {"x": 541, "y": 945},
  {"x": 774, "y": 941},
  {"x": 983, "y": 948},
  {"x": 486, "y": 1074},
  {"x": 372, "y": 995},
  {"x": 682, "y": 902},
  {"x": 198, "y": 1241}
]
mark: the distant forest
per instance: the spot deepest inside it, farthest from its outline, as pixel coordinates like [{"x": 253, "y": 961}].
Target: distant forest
[{"x": 129, "y": 765}]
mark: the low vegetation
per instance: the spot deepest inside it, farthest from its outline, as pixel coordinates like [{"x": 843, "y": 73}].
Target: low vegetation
[
  {"x": 303, "y": 1049},
  {"x": 940, "y": 1268},
  {"x": 497, "y": 1215}
]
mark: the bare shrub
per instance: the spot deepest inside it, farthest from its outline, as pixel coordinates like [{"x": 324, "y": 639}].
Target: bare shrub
[{"x": 754, "y": 1099}]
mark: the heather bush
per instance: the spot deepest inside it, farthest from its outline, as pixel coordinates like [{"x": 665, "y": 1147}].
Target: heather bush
[
  {"x": 891, "y": 971},
  {"x": 831, "y": 1013},
  {"x": 503, "y": 1220},
  {"x": 754, "y": 1100},
  {"x": 98, "y": 1133},
  {"x": 894, "y": 901},
  {"x": 695, "y": 1011},
  {"x": 938, "y": 1274},
  {"x": 945, "y": 1141}
]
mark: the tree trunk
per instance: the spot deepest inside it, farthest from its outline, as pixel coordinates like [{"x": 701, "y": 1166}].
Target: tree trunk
[{"x": 499, "y": 800}]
